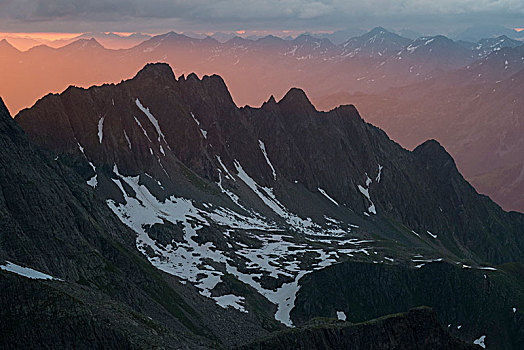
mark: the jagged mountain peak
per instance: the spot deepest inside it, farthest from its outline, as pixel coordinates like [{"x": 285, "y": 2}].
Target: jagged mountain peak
[
  {"x": 271, "y": 41},
  {"x": 382, "y": 33},
  {"x": 296, "y": 98},
  {"x": 432, "y": 147},
  {"x": 271, "y": 100},
  {"x": 3, "y": 108},
  {"x": 7, "y": 124},
  {"x": 192, "y": 76},
  {"x": 238, "y": 40},
  {"x": 156, "y": 71},
  {"x": 376, "y": 43},
  {"x": 6, "y": 45},
  {"x": 379, "y": 30},
  {"x": 435, "y": 156},
  {"x": 91, "y": 43}
]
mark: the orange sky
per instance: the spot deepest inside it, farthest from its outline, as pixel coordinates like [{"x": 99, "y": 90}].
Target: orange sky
[
  {"x": 52, "y": 36},
  {"x": 47, "y": 36}
]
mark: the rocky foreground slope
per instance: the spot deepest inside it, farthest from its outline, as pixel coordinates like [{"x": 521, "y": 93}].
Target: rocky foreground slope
[
  {"x": 70, "y": 274},
  {"x": 416, "y": 329},
  {"x": 244, "y": 205}
]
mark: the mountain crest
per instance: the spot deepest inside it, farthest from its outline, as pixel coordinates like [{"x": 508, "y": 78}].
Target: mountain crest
[
  {"x": 156, "y": 71},
  {"x": 6, "y": 45},
  {"x": 296, "y": 98},
  {"x": 435, "y": 156},
  {"x": 84, "y": 43},
  {"x": 379, "y": 30}
]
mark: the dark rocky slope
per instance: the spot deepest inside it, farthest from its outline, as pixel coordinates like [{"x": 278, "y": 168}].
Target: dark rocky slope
[
  {"x": 416, "y": 329},
  {"x": 109, "y": 294},
  {"x": 477, "y": 121},
  {"x": 470, "y": 303}
]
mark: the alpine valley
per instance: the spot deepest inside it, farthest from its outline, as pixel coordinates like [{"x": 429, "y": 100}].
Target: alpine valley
[{"x": 155, "y": 213}]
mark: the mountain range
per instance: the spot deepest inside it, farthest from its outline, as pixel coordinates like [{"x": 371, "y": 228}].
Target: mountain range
[
  {"x": 108, "y": 40},
  {"x": 371, "y": 62},
  {"x": 414, "y": 78},
  {"x": 244, "y": 214},
  {"x": 475, "y": 112}
]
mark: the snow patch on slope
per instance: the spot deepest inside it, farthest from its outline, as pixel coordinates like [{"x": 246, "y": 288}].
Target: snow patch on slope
[
  {"x": 267, "y": 196},
  {"x": 263, "y": 148},
  {"x": 101, "y": 129},
  {"x": 26, "y": 272},
  {"x": 152, "y": 119},
  {"x": 204, "y": 133},
  {"x": 480, "y": 341},
  {"x": 327, "y": 196}
]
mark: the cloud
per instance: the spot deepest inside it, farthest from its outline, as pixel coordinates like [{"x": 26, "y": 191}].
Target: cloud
[{"x": 259, "y": 13}]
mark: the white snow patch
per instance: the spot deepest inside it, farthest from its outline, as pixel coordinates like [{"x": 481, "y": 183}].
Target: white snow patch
[
  {"x": 93, "y": 181},
  {"x": 487, "y": 268},
  {"x": 306, "y": 226},
  {"x": 480, "y": 341},
  {"x": 152, "y": 119},
  {"x": 26, "y": 272},
  {"x": 341, "y": 315},
  {"x": 263, "y": 148},
  {"x": 228, "y": 174},
  {"x": 379, "y": 173},
  {"x": 368, "y": 180},
  {"x": 327, "y": 196},
  {"x": 188, "y": 259},
  {"x": 365, "y": 192},
  {"x": 127, "y": 139},
  {"x": 204, "y": 133},
  {"x": 101, "y": 129},
  {"x": 231, "y": 300},
  {"x": 431, "y": 234},
  {"x": 230, "y": 194},
  {"x": 141, "y": 127}
]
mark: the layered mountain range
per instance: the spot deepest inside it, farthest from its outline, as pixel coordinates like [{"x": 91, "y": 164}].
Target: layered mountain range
[
  {"x": 476, "y": 112},
  {"x": 372, "y": 62},
  {"x": 376, "y": 63},
  {"x": 243, "y": 206}
]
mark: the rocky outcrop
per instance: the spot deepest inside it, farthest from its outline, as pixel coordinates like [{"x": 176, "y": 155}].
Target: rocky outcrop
[
  {"x": 469, "y": 302},
  {"x": 416, "y": 329}
]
